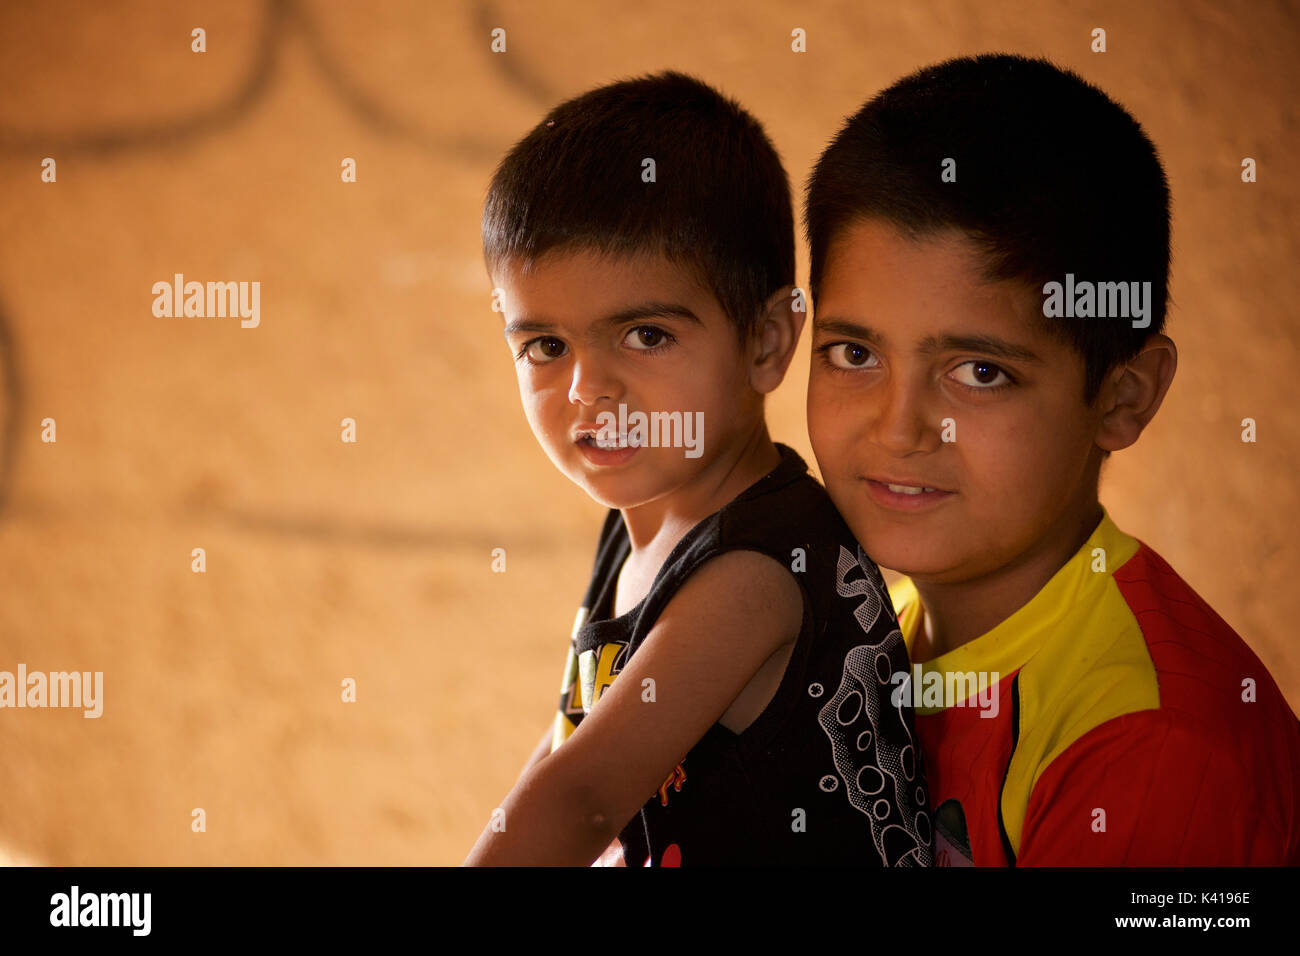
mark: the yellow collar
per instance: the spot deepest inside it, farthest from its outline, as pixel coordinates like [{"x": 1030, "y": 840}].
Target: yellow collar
[{"x": 1010, "y": 645}]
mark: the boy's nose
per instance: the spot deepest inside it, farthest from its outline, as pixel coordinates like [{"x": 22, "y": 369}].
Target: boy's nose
[
  {"x": 592, "y": 383},
  {"x": 902, "y": 423}
]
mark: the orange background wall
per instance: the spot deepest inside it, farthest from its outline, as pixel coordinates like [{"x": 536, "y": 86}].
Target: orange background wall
[{"x": 372, "y": 560}]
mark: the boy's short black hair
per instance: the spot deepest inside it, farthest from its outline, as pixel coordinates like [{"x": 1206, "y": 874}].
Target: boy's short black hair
[
  {"x": 1052, "y": 177},
  {"x": 720, "y": 203}
]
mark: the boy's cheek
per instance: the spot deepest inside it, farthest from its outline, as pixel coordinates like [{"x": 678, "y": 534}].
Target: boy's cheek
[
  {"x": 547, "y": 426},
  {"x": 834, "y": 433}
]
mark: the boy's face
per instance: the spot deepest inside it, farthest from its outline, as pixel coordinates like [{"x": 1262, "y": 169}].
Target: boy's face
[
  {"x": 590, "y": 333},
  {"x": 911, "y": 347}
]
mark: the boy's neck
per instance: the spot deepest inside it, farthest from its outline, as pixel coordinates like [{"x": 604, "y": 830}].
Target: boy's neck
[
  {"x": 660, "y": 524},
  {"x": 957, "y": 613}
]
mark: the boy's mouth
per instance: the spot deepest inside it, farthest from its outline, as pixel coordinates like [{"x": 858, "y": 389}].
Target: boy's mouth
[
  {"x": 908, "y": 489},
  {"x": 905, "y": 494},
  {"x": 595, "y": 436},
  {"x": 602, "y": 449},
  {"x": 608, "y": 443}
]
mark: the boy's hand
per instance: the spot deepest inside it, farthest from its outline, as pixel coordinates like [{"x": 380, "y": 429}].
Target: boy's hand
[{"x": 729, "y": 617}]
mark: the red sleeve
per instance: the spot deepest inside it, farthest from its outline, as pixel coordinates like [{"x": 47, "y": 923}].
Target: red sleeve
[{"x": 1154, "y": 789}]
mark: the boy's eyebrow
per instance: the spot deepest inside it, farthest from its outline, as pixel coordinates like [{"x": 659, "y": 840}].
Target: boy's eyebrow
[
  {"x": 931, "y": 344},
  {"x": 528, "y": 325},
  {"x": 986, "y": 344},
  {"x": 852, "y": 330},
  {"x": 642, "y": 310},
  {"x": 649, "y": 310}
]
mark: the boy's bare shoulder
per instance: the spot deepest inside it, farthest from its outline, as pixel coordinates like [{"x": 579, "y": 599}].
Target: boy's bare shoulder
[{"x": 745, "y": 593}]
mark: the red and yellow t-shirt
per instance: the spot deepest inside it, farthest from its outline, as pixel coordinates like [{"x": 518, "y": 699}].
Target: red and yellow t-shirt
[{"x": 1128, "y": 725}]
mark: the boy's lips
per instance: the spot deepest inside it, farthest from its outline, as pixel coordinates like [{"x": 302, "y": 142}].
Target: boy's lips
[
  {"x": 588, "y": 434},
  {"x": 904, "y": 494},
  {"x": 602, "y": 453}
]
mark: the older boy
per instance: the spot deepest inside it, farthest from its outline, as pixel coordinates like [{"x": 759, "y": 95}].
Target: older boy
[{"x": 961, "y": 412}]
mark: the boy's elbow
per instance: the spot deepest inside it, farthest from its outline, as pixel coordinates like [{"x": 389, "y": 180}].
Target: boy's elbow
[
  {"x": 601, "y": 825},
  {"x": 580, "y": 804},
  {"x": 595, "y": 815}
]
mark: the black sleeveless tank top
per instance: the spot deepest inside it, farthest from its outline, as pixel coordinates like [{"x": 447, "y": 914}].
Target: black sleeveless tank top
[{"x": 830, "y": 773}]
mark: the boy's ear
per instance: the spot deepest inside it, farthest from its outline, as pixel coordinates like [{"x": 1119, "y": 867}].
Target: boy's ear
[
  {"x": 774, "y": 341},
  {"x": 1132, "y": 393}
]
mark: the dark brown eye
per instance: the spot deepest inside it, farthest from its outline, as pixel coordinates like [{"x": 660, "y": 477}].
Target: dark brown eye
[
  {"x": 647, "y": 336},
  {"x": 545, "y": 349},
  {"x": 978, "y": 374},
  {"x": 849, "y": 355}
]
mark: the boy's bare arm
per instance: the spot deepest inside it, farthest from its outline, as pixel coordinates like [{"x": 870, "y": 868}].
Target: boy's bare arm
[
  {"x": 697, "y": 659},
  {"x": 613, "y": 853},
  {"x": 543, "y": 748}
]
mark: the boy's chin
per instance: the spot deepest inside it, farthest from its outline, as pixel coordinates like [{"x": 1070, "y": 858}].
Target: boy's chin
[
  {"x": 908, "y": 556},
  {"x": 938, "y": 565},
  {"x": 611, "y": 492},
  {"x": 626, "y": 488}
]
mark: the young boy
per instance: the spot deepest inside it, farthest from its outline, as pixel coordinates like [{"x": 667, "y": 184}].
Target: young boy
[
  {"x": 722, "y": 691},
  {"x": 971, "y": 372}
]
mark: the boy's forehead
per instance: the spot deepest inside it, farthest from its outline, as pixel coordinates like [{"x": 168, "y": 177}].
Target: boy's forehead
[
  {"x": 589, "y": 281},
  {"x": 909, "y": 288},
  {"x": 587, "y": 294}
]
